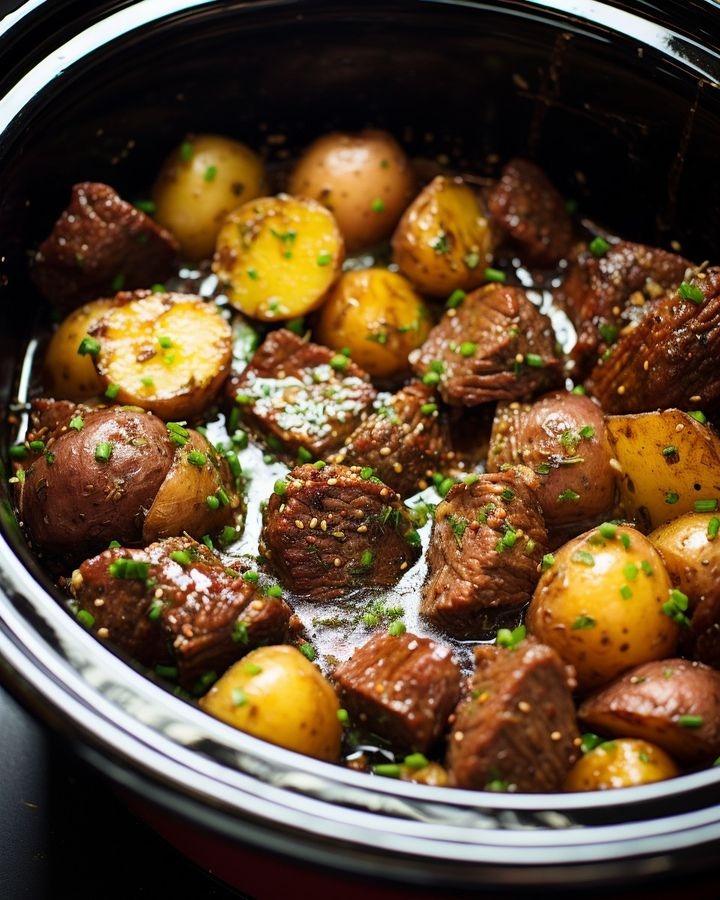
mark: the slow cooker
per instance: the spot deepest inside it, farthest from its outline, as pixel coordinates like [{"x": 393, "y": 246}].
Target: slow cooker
[{"x": 620, "y": 105}]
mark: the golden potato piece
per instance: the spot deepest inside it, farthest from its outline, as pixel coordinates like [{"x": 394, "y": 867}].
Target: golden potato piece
[
  {"x": 278, "y": 257},
  {"x": 275, "y": 693},
  {"x": 670, "y": 465},
  {"x": 690, "y": 548},
  {"x": 624, "y": 762},
  {"x": 443, "y": 241},
  {"x": 201, "y": 181},
  {"x": 601, "y": 603},
  {"x": 167, "y": 353},
  {"x": 365, "y": 179},
  {"x": 69, "y": 374},
  {"x": 379, "y": 316}
]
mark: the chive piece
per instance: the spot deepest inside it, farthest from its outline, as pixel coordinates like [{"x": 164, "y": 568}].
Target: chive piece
[
  {"x": 177, "y": 434},
  {"x": 252, "y": 273},
  {"x": 671, "y": 497},
  {"x": 197, "y": 458},
  {"x": 304, "y": 455},
  {"x": 182, "y": 557},
  {"x": 388, "y": 770},
  {"x": 169, "y": 672},
  {"x": 415, "y": 761},
  {"x": 579, "y": 390},
  {"x": 252, "y": 668},
  {"x": 339, "y": 362},
  {"x": 113, "y": 545},
  {"x": 437, "y": 365},
  {"x": 607, "y": 530},
  {"x": 227, "y": 535},
  {"x": 89, "y": 346},
  {"x": 212, "y": 501},
  {"x": 308, "y": 651},
  {"x": 324, "y": 258},
  {"x": 118, "y": 282},
  {"x": 472, "y": 259},
  {"x": 210, "y": 173},
  {"x": 625, "y": 541},
  {"x": 165, "y": 342},
  {"x": 587, "y": 432},
  {"x": 494, "y": 274},
  {"x": 547, "y": 561},
  {"x": 112, "y": 391},
  {"x": 238, "y": 697},
  {"x": 367, "y": 558},
  {"x": 343, "y": 717},
  {"x": 413, "y": 538},
  {"x": 146, "y": 206},
  {"x": 691, "y": 721},
  {"x": 589, "y": 741},
  {"x": 507, "y": 494},
  {"x": 158, "y": 288},
  {"x": 187, "y": 151},
  {"x": 155, "y": 610},
  {"x": 630, "y": 571},
  {"x": 231, "y": 458},
  {"x": 568, "y": 495},
  {"x": 468, "y": 348},
  {"x": 240, "y": 438},
  {"x": 510, "y": 639},
  {"x": 19, "y": 451},
  {"x": 704, "y": 506},
  {"x": 583, "y": 558},
  {"x": 280, "y": 487},
  {"x": 207, "y": 540},
  {"x": 626, "y": 592},
  {"x": 444, "y": 487},
  {"x": 599, "y": 246},
  {"x": 148, "y": 381},
  {"x": 85, "y": 618},
  {"x": 37, "y": 445},
  {"x": 103, "y": 451},
  {"x": 274, "y": 590},
  {"x": 608, "y": 332},
  {"x": 583, "y": 622},
  {"x": 455, "y": 299},
  {"x": 366, "y": 472},
  {"x": 692, "y": 292},
  {"x": 431, "y": 378},
  {"x": 647, "y": 568},
  {"x": 713, "y": 528},
  {"x": 427, "y": 408},
  {"x": 377, "y": 206},
  {"x": 76, "y": 423},
  {"x": 669, "y": 451},
  {"x": 698, "y": 415},
  {"x": 251, "y": 576},
  {"x": 129, "y": 569}
]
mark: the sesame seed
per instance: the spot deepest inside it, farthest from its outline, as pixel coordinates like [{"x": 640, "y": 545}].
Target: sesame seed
[
  {"x": 77, "y": 579},
  {"x": 615, "y": 464},
  {"x": 338, "y": 534},
  {"x": 332, "y": 481},
  {"x": 403, "y": 566},
  {"x": 337, "y": 562},
  {"x": 298, "y": 523},
  {"x": 555, "y": 736},
  {"x": 384, "y": 492},
  {"x": 696, "y": 398},
  {"x": 385, "y": 451},
  {"x": 646, "y": 365},
  {"x": 519, "y": 358},
  {"x": 680, "y": 427},
  {"x": 99, "y": 601},
  {"x": 103, "y": 632},
  {"x": 524, "y": 706},
  {"x": 362, "y": 529},
  {"x": 621, "y": 390},
  {"x": 397, "y": 467},
  {"x": 458, "y": 736},
  {"x": 257, "y": 604},
  {"x": 323, "y": 525},
  {"x": 379, "y": 688},
  {"x": 313, "y": 522},
  {"x": 359, "y": 513}
]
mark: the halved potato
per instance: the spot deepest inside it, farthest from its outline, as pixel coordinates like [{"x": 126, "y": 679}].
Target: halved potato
[
  {"x": 201, "y": 181},
  {"x": 670, "y": 465},
  {"x": 168, "y": 353},
  {"x": 443, "y": 241},
  {"x": 278, "y": 256},
  {"x": 690, "y": 547},
  {"x": 624, "y": 762}
]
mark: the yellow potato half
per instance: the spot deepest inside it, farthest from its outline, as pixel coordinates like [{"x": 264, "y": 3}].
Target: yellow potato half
[
  {"x": 624, "y": 762},
  {"x": 278, "y": 257}
]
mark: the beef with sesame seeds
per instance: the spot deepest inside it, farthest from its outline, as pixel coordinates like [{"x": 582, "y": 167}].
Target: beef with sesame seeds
[
  {"x": 404, "y": 441},
  {"x": 99, "y": 245},
  {"x": 401, "y": 688},
  {"x": 300, "y": 399},
  {"x": 328, "y": 530},
  {"x": 669, "y": 359},
  {"x": 516, "y": 729},
  {"x": 174, "y": 604},
  {"x": 487, "y": 542},
  {"x": 611, "y": 289},
  {"x": 495, "y": 346},
  {"x": 530, "y": 210}
]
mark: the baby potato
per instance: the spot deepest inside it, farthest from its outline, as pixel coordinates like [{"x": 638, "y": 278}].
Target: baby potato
[
  {"x": 379, "y": 316},
  {"x": 70, "y": 375},
  {"x": 201, "y": 181},
  {"x": 278, "y": 256},
  {"x": 276, "y": 694},
  {"x": 624, "y": 762},
  {"x": 167, "y": 353},
  {"x": 365, "y": 179},
  {"x": 443, "y": 241},
  {"x": 690, "y": 548},
  {"x": 600, "y": 604}
]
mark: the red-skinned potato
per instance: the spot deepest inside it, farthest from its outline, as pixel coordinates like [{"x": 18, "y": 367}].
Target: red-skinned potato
[
  {"x": 673, "y": 703},
  {"x": 624, "y": 762},
  {"x": 365, "y": 179}
]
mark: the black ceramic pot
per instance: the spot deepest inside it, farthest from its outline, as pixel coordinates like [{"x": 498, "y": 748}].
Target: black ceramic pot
[{"x": 620, "y": 107}]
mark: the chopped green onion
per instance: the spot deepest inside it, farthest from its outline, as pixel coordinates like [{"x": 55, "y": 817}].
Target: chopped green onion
[
  {"x": 87, "y": 619},
  {"x": 692, "y": 292},
  {"x": 89, "y": 345},
  {"x": 583, "y": 622},
  {"x": 583, "y": 558},
  {"x": 103, "y": 451},
  {"x": 607, "y": 530},
  {"x": 377, "y": 205},
  {"x": 494, "y": 274},
  {"x": 428, "y": 408},
  {"x": 210, "y": 173},
  {"x": 324, "y": 258},
  {"x": 187, "y": 151},
  {"x": 182, "y": 557},
  {"x": 415, "y": 761},
  {"x": 274, "y": 590},
  {"x": 389, "y": 770},
  {"x": 112, "y": 391},
  {"x": 197, "y": 458},
  {"x": 698, "y": 415},
  {"x": 599, "y": 246},
  {"x": 534, "y": 361},
  {"x": 76, "y": 423},
  {"x": 339, "y": 362},
  {"x": 468, "y": 348},
  {"x": 548, "y": 561},
  {"x": 308, "y": 651},
  {"x": 455, "y": 299},
  {"x": 510, "y": 639},
  {"x": 691, "y": 721},
  {"x": 704, "y": 506},
  {"x": 129, "y": 569},
  {"x": 212, "y": 501},
  {"x": 713, "y": 528},
  {"x": 472, "y": 259},
  {"x": 280, "y": 487},
  {"x": 671, "y": 497}
]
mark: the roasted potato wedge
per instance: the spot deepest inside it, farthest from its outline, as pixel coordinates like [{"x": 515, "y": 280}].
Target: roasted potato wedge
[
  {"x": 168, "y": 353},
  {"x": 379, "y": 316},
  {"x": 670, "y": 465},
  {"x": 601, "y": 603},
  {"x": 201, "y": 181},
  {"x": 275, "y": 693},
  {"x": 624, "y": 762},
  {"x": 278, "y": 256},
  {"x": 690, "y": 548},
  {"x": 673, "y": 703},
  {"x": 443, "y": 241},
  {"x": 68, "y": 373}
]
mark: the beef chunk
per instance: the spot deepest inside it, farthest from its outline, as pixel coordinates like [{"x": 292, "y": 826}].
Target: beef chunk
[
  {"x": 603, "y": 295},
  {"x": 328, "y": 530},
  {"x": 703, "y": 638},
  {"x": 487, "y": 542},
  {"x": 496, "y": 346},
  {"x": 400, "y": 688},
  {"x": 404, "y": 441},
  {"x": 516, "y": 729},
  {"x": 532, "y": 212},
  {"x": 98, "y": 241},
  {"x": 175, "y": 604},
  {"x": 669, "y": 359},
  {"x": 299, "y": 398}
]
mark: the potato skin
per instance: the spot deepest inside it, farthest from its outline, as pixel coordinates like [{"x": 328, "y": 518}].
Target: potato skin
[
  {"x": 379, "y": 316},
  {"x": 673, "y": 703},
  {"x": 624, "y": 762},
  {"x": 365, "y": 179},
  {"x": 276, "y": 694},
  {"x": 278, "y": 257},
  {"x": 691, "y": 557},
  {"x": 67, "y": 374},
  {"x": 443, "y": 241},
  {"x": 600, "y": 605},
  {"x": 202, "y": 180}
]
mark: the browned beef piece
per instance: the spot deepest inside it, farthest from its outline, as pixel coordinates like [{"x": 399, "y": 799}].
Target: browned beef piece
[
  {"x": 405, "y": 441},
  {"x": 496, "y": 346},
  {"x": 603, "y": 295},
  {"x": 670, "y": 358},
  {"x": 487, "y": 542},
  {"x": 530, "y": 209},
  {"x": 99, "y": 244},
  {"x": 175, "y": 604},
  {"x": 400, "y": 688},
  {"x": 329, "y": 530},
  {"x": 300, "y": 398},
  {"x": 516, "y": 728},
  {"x": 702, "y": 640}
]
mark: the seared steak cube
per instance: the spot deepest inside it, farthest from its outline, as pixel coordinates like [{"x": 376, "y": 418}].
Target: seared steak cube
[
  {"x": 99, "y": 245},
  {"x": 495, "y": 346},
  {"x": 328, "y": 530},
  {"x": 174, "y": 604},
  {"x": 516, "y": 728},
  {"x": 401, "y": 688},
  {"x": 487, "y": 542},
  {"x": 527, "y": 206},
  {"x": 300, "y": 398},
  {"x": 404, "y": 441}
]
